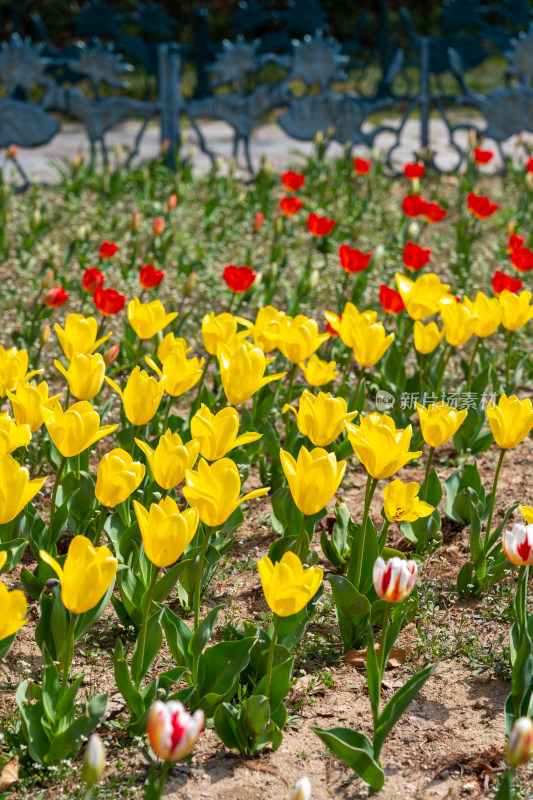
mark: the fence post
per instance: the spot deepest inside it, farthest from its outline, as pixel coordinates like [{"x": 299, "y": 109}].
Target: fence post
[
  {"x": 201, "y": 51},
  {"x": 169, "y": 98},
  {"x": 425, "y": 92}
]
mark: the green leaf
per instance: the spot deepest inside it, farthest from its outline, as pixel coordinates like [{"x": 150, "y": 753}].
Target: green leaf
[
  {"x": 398, "y": 703},
  {"x": 154, "y": 640},
  {"x": 352, "y": 609},
  {"x": 372, "y": 671},
  {"x": 31, "y": 716},
  {"x": 131, "y": 695},
  {"x": 167, "y": 582},
  {"x": 219, "y": 670},
  {"x": 178, "y": 636},
  {"x": 356, "y": 751},
  {"x": 69, "y": 742},
  {"x": 227, "y": 729},
  {"x": 201, "y": 636},
  {"x": 281, "y": 683}
]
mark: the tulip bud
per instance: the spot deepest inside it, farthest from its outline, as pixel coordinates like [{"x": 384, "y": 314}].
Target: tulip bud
[
  {"x": 6, "y": 191},
  {"x": 190, "y": 283},
  {"x": 520, "y": 746},
  {"x": 111, "y": 355},
  {"x": 394, "y": 579},
  {"x": 301, "y": 790},
  {"x": 241, "y": 197},
  {"x": 415, "y": 183},
  {"x": 192, "y": 152},
  {"x": 257, "y": 281},
  {"x": 81, "y": 233},
  {"x": 172, "y": 731},
  {"x": 274, "y": 268},
  {"x": 77, "y": 162},
  {"x": 36, "y": 218},
  {"x": 159, "y": 226},
  {"x": 319, "y": 137},
  {"x": 11, "y": 152},
  {"x": 413, "y": 230},
  {"x": 529, "y": 180},
  {"x": 258, "y": 221},
  {"x": 510, "y": 227},
  {"x": 93, "y": 760},
  {"x": 218, "y": 165},
  {"x": 48, "y": 279},
  {"x": 135, "y": 221},
  {"x": 278, "y": 226},
  {"x": 118, "y": 150},
  {"x": 165, "y": 144},
  {"x": 55, "y": 296},
  {"x": 172, "y": 202},
  {"x": 313, "y": 280},
  {"x": 45, "y": 334}
]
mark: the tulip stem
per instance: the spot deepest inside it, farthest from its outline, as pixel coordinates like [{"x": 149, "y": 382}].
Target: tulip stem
[
  {"x": 197, "y": 593},
  {"x": 167, "y": 414},
  {"x": 382, "y": 538},
  {"x": 443, "y": 371},
  {"x": 355, "y": 565},
  {"x": 144, "y": 627},
  {"x": 53, "y": 501},
  {"x": 69, "y": 644},
  {"x": 272, "y": 650},
  {"x": 383, "y": 648},
  {"x": 100, "y": 526},
  {"x": 421, "y": 372},
  {"x": 292, "y": 373},
  {"x": 163, "y": 778},
  {"x": 138, "y": 353},
  {"x": 132, "y": 440},
  {"x": 345, "y": 371},
  {"x": 521, "y": 599},
  {"x": 428, "y": 471},
  {"x": 471, "y": 365},
  {"x": 508, "y": 361},
  {"x": 493, "y": 496},
  {"x": 67, "y": 398},
  {"x": 301, "y": 535},
  {"x": 359, "y": 381},
  {"x": 202, "y": 380}
]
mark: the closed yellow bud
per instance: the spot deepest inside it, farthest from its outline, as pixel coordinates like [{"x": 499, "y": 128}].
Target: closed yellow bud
[
  {"x": 13, "y": 368},
  {"x": 460, "y": 322},
  {"x": 381, "y": 448},
  {"x": 86, "y": 575},
  {"x": 439, "y": 422},
  {"x": 13, "y": 608},
  {"x": 117, "y": 476},
  {"x": 370, "y": 342},
  {"x": 74, "y": 430},
  {"x": 48, "y": 279},
  {"x": 217, "y": 433},
  {"x": 489, "y": 312},
  {"x": 12, "y": 435},
  {"x": 16, "y": 489},
  {"x": 318, "y": 372},
  {"x": 243, "y": 372},
  {"x": 510, "y": 421},
  {"x": 517, "y": 310},
  {"x": 296, "y": 337},
  {"x": 171, "y": 459},
  {"x": 287, "y": 586},
  {"x": 27, "y": 404},
  {"x": 180, "y": 373},
  {"x": 402, "y": 504},
  {"x": 427, "y": 337},
  {"x": 141, "y": 396},
  {"x": 313, "y": 479},
  {"x": 85, "y": 375},
  {"x": 423, "y": 296},
  {"x": 321, "y": 418},
  {"x": 165, "y": 530},
  {"x": 147, "y": 319},
  {"x": 79, "y": 335},
  {"x": 214, "y": 490}
]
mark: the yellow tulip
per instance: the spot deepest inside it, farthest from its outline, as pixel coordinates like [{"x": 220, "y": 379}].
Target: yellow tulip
[
  {"x": 489, "y": 312},
  {"x": 218, "y": 329},
  {"x": 317, "y": 372},
  {"x": 321, "y": 418},
  {"x": 243, "y": 372},
  {"x": 370, "y": 342},
  {"x": 381, "y": 448},
  {"x": 171, "y": 459},
  {"x": 527, "y": 513},
  {"x": 345, "y": 325},
  {"x": 214, "y": 490},
  {"x": 510, "y": 421},
  {"x": 16, "y": 489},
  {"x": 287, "y": 586},
  {"x": 165, "y": 530},
  {"x": 423, "y": 296},
  {"x": 79, "y": 335},
  {"x": 13, "y": 369},
  {"x": 517, "y": 310},
  {"x": 439, "y": 422},
  {"x": 85, "y": 375},
  {"x": 27, "y": 403},
  {"x": 74, "y": 430},
  {"x": 217, "y": 433},
  {"x": 459, "y": 321},
  {"x": 180, "y": 373},
  {"x": 263, "y": 324},
  {"x": 13, "y": 608},
  {"x": 117, "y": 476},
  {"x": 427, "y": 337},
  {"x": 12, "y": 435},
  {"x": 296, "y": 337},
  {"x": 141, "y": 396},
  {"x": 402, "y": 504},
  {"x": 147, "y": 319},
  {"x": 86, "y": 576},
  {"x": 313, "y": 479},
  {"x": 172, "y": 344}
]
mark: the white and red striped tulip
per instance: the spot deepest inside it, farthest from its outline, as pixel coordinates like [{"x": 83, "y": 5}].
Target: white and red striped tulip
[
  {"x": 301, "y": 790},
  {"x": 520, "y": 747},
  {"x": 518, "y": 545},
  {"x": 172, "y": 731},
  {"x": 394, "y": 579}
]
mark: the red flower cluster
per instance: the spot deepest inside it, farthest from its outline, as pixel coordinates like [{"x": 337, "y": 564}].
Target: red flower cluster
[
  {"x": 391, "y": 300},
  {"x": 522, "y": 259},
  {"x": 107, "y": 249},
  {"x": 150, "y": 277},
  {"x": 482, "y": 156},
  {"x": 290, "y": 205},
  {"x": 319, "y": 226},
  {"x": 239, "y": 279},
  {"x": 413, "y": 206},
  {"x": 501, "y": 281},
  {"x": 413, "y": 171},
  {"x": 55, "y": 296},
  {"x": 415, "y": 257},
  {"x": 353, "y": 260},
  {"x": 362, "y": 166},
  {"x": 92, "y": 279},
  {"x": 480, "y": 206},
  {"x": 108, "y": 301},
  {"x": 292, "y": 181}
]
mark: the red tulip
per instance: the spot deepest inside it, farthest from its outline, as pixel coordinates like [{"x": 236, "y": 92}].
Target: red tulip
[
  {"x": 172, "y": 202},
  {"x": 501, "y": 281},
  {"x": 258, "y": 221},
  {"x": 353, "y": 260},
  {"x": 107, "y": 249},
  {"x": 150, "y": 277},
  {"x": 362, "y": 166},
  {"x": 319, "y": 226},
  {"x": 290, "y": 205},
  {"x": 415, "y": 257},
  {"x": 480, "y": 206},
  {"x": 412, "y": 171},
  {"x": 482, "y": 156},
  {"x": 239, "y": 279},
  {"x": 522, "y": 259},
  {"x": 108, "y": 301},
  {"x": 391, "y": 300},
  {"x": 413, "y": 205},
  {"x": 158, "y": 226},
  {"x": 55, "y": 296},
  {"x": 529, "y": 165},
  {"x": 514, "y": 242},
  {"x": 292, "y": 181},
  {"x": 432, "y": 212},
  {"x": 92, "y": 279}
]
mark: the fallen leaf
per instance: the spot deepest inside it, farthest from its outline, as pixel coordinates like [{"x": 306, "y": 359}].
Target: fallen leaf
[
  {"x": 357, "y": 658},
  {"x": 9, "y": 775}
]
